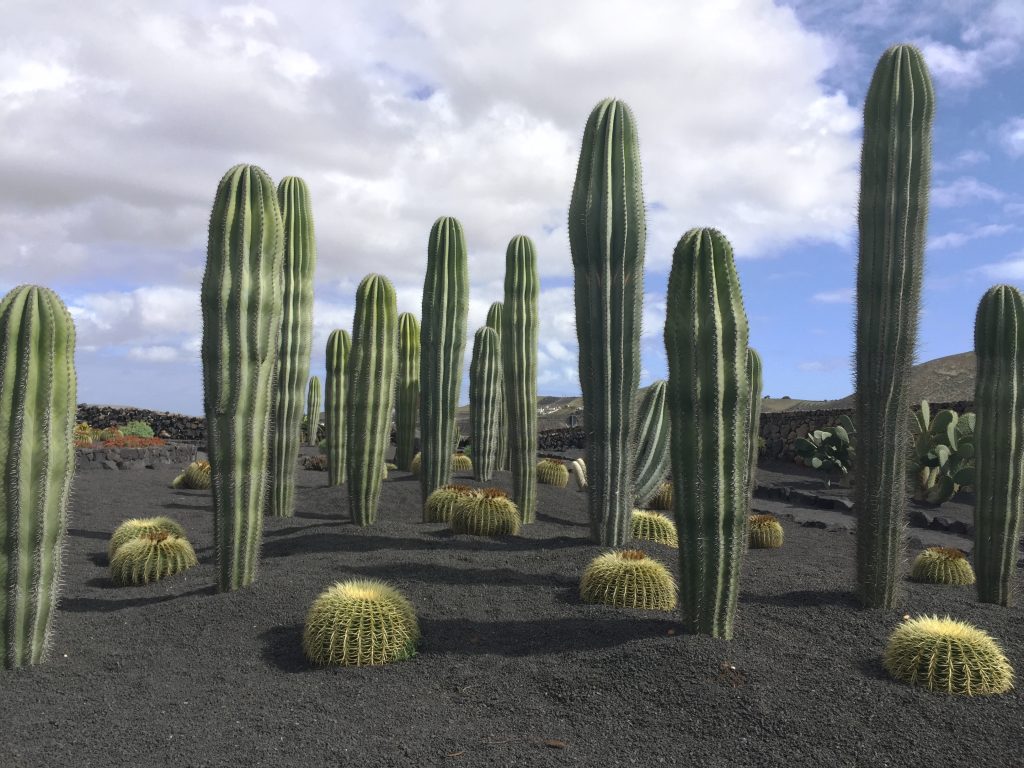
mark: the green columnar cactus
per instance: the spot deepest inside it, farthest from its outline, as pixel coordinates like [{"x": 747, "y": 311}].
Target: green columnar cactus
[
  {"x": 893, "y": 212},
  {"x": 999, "y": 445},
  {"x": 754, "y": 380},
  {"x": 485, "y": 402},
  {"x": 494, "y": 320},
  {"x": 339, "y": 346},
  {"x": 312, "y": 410},
  {"x": 519, "y": 332},
  {"x": 709, "y": 403},
  {"x": 407, "y": 413},
  {"x": 296, "y": 342},
  {"x": 38, "y": 387},
  {"x": 242, "y": 305},
  {"x": 607, "y": 237},
  {"x": 371, "y": 390},
  {"x": 652, "y": 437},
  {"x": 442, "y": 344}
]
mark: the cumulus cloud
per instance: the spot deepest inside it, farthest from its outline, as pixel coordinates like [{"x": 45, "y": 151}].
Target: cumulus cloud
[
  {"x": 963, "y": 191},
  {"x": 1011, "y": 136},
  {"x": 1010, "y": 269},
  {"x": 956, "y": 239},
  {"x": 842, "y": 296}
]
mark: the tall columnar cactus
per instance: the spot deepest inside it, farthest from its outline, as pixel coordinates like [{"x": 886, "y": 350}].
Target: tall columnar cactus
[
  {"x": 442, "y": 345},
  {"x": 407, "y": 412},
  {"x": 607, "y": 236},
  {"x": 484, "y": 402},
  {"x": 338, "y": 347},
  {"x": 709, "y": 402},
  {"x": 371, "y": 388},
  {"x": 37, "y": 464},
  {"x": 312, "y": 410},
  {"x": 296, "y": 342},
  {"x": 892, "y": 217},
  {"x": 999, "y": 441},
  {"x": 520, "y": 327},
  {"x": 242, "y": 305},
  {"x": 494, "y": 320},
  {"x": 754, "y": 380},
  {"x": 652, "y": 440}
]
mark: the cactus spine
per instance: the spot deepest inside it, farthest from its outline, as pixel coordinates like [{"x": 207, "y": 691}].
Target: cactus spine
[
  {"x": 38, "y": 388},
  {"x": 312, "y": 410},
  {"x": 296, "y": 341},
  {"x": 407, "y": 412},
  {"x": 494, "y": 320},
  {"x": 607, "y": 236},
  {"x": 242, "y": 304},
  {"x": 484, "y": 402},
  {"x": 709, "y": 402},
  {"x": 652, "y": 455},
  {"x": 519, "y": 361},
  {"x": 754, "y": 379},
  {"x": 998, "y": 442},
  {"x": 371, "y": 389},
  {"x": 338, "y": 347},
  {"x": 442, "y": 345},
  {"x": 892, "y": 217}
]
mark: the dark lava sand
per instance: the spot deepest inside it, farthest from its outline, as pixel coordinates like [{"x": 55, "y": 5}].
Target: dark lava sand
[{"x": 513, "y": 668}]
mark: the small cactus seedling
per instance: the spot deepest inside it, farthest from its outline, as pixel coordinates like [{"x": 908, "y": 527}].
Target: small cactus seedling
[
  {"x": 552, "y": 472},
  {"x": 765, "y": 532},
  {"x": 489, "y": 512},
  {"x": 461, "y": 462},
  {"x": 947, "y": 655},
  {"x": 358, "y": 623},
  {"x": 151, "y": 558},
  {"x": 942, "y": 565},
  {"x": 654, "y": 526},
  {"x": 629, "y": 579},
  {"x": 142, "y": 526},
  {"x": 441, "y": 503},
  {"x": 662, "y": 498},
  {"x": 579, "y": 471}
]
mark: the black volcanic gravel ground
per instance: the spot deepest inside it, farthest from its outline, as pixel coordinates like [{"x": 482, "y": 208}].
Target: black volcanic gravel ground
[{"x": 513, "y": 668}]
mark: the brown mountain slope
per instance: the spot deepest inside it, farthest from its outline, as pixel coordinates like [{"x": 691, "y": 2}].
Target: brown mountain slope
[{"x": 944, "y": 380}]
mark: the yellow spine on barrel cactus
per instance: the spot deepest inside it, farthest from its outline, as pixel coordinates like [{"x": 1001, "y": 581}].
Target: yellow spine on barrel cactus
[{"x": 552, "y": 472}]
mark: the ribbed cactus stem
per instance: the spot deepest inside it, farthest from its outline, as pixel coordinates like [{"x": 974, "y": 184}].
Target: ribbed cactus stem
[
  {"x": 339, "y": 345},
  {"x": 372, "y": 370},
  {"x": 892, "y": 217},
  {"x": 998, "y": 441},
  {"x": 754, "y": 380},
  {"x": 484, "y": 403},
  {"x": 442, "y": 346},
  {"x": 520, "y": 328},
  {"x": 242, "y": 304},
  {"x": 296, "y": 342},
  {"x": 607, "y": 237},
  {"x": 407, "y": 411},
  {"x": 652, "y": 441},
  {"x": 312, "y": 410},
  {"x": 37, "y": 461},
  {"x": 709, "y": 403},
  {"x": 495, "y": 315},
  {"x": 494, "y": 321}
]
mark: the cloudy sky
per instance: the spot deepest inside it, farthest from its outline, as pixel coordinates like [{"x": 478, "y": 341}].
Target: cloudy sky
[{"x": 117, "y": 120}]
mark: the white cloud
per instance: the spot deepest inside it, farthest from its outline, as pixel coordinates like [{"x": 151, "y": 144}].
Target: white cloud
[
  {"x": 962, "y": 191},
  {"x": 1011, "y": 269},
  {"x": 966, "y": 159},
  {"x": 155, "y": 354},
  {"x": 956, "y": 239},
  {"x": 1011, "y": 136},
  {"x": 842, "y": 296}
]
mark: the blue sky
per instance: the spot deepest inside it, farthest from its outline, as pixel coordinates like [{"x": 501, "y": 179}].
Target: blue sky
[{"x": 118, "y": 120}]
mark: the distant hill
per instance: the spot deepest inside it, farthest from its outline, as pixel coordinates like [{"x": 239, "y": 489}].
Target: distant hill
[{"x": 944, "y": 380}]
